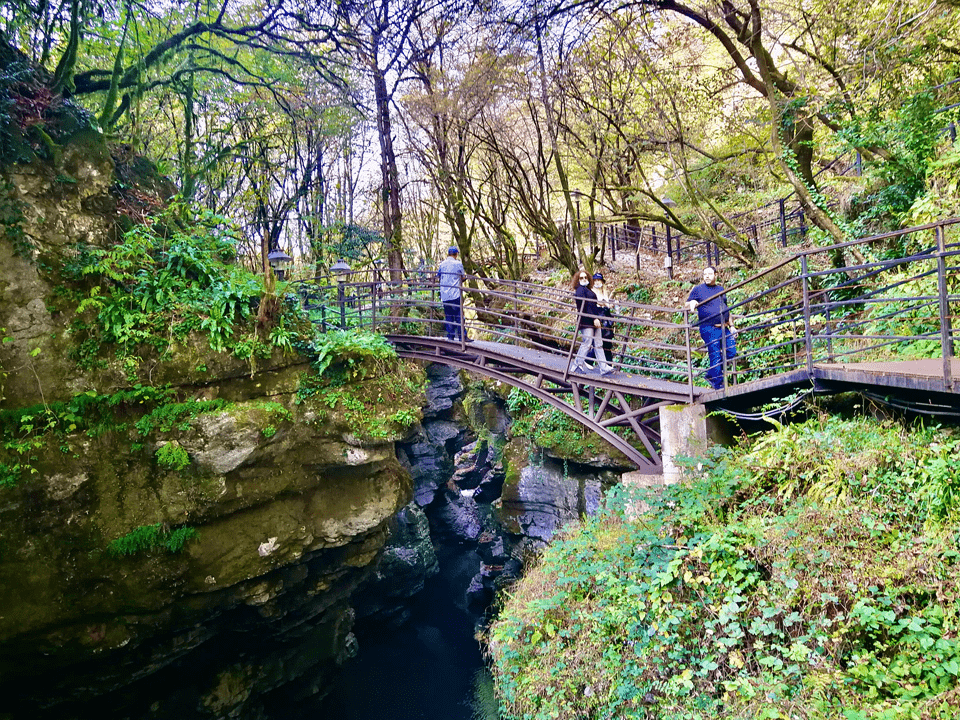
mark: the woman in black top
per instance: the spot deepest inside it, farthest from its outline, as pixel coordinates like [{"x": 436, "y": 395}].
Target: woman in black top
[{"x": 588, "y": 323}]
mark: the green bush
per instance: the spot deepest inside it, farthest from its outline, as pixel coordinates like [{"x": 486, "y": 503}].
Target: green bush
[
  {"x": 172, "y": 456},
  {"x": 164, "y": 281},
  {"x": 812, "y": 573}
]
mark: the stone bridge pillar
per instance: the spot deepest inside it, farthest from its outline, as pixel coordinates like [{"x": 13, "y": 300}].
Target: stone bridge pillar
[{"x": 685, "y": 431}]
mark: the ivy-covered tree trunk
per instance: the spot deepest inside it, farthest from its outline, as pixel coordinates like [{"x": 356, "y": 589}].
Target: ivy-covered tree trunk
[
  {"x": 390, "y": 188},
  {"x": 792, "y": 140}
]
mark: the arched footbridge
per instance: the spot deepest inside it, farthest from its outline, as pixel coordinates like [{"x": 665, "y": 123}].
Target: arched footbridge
[{"x": 876, "y": 315}]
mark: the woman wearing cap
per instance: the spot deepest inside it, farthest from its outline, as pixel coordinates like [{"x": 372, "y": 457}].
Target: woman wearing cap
[
  {"x": 605, "y": 309},
  {"x": 588, "y": 323}
]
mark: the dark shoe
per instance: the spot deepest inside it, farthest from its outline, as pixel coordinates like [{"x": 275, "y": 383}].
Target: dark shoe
[
  {"x": 608, "y": 372},
  {"x": 468, "y": 340}
]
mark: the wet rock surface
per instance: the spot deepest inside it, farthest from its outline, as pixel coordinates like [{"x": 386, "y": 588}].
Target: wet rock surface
[{"x": 407, "y": 561}]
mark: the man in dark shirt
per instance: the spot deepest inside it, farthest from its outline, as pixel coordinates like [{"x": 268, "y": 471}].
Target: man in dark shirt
[{"x": 713, "y": 320}]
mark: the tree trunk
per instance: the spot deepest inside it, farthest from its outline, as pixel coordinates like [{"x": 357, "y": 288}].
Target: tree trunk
[{"x": 390, "y": 176}]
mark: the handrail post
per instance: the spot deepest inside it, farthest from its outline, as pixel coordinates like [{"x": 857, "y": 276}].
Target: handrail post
[
  {"x": 516, "y": 314},
  {"x": 783, "y": 222},
  {"x": 723, "y": 353},
  {"x": 807, "y": 335},
  {"x": 374, "y": 289},
  {"x": 946, "y": 341},
  {"x": 669, "y": 242},
  {"x": 686, "y": 330},
  {"x": 826, "y": 314},
  {"x": 463, "y": 324},
  {"x": 573, "y": 342}
]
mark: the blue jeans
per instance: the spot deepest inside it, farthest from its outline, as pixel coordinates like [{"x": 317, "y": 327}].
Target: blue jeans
[
  {"x": 713, "y": 336},
  {"x": 453, "y": 321}
]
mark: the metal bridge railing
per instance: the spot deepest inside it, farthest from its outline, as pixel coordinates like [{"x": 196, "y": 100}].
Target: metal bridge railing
[
  {"x": 798, "y": 313},
  {"x": 807, "y": 311},
  {"x": 648, "y": 340}
]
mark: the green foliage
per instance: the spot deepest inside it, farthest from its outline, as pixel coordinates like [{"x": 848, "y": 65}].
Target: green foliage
[
  {"x": 353, "y": 242},
  {"x": 519, "y": 401},
  {"x": 163, "y": 282},
  {"x": 27, "y": 430},
  {"x": 942, "y": 197},
  {"x": 11, "y": 222},
  {"x": 351, "y": 354},
  {"x": 147, "y": 538},
  {"x": 785, "y": 578},
  {"x": 172, "y": 456},
  {"x": 378, "y": 408},
  {"x": 638, "y": 293},
  {"x": 916, "y": 320},
  {"x": 484, "y": 701},
  {"x": 10, "y": 474},
  {"x": 910, "y": 136},
  {"x": 170, "y": 416},
  {"x": 549, "y": 427}
]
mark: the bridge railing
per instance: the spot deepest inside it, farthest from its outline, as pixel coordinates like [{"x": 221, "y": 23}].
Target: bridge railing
[
  {"x": 812, "y": 308},
  {"x": 648, "y": 339},
  {"x": 816, "y": 308}
]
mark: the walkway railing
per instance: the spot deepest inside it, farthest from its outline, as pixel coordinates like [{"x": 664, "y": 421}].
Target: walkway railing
[
  {"x": 781, "y": 222},
  {"x": 649, "y": 340},
  {"x": 899, "y": 307},
  {"x": 810, "y": 309}
]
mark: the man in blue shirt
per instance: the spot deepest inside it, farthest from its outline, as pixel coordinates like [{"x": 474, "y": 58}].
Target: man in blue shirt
[
  {"x": 451, "y": 274},
  {"x": 713, "y": 321}
]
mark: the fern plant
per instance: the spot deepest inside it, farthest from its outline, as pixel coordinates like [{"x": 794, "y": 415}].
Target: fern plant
[{"x": 147, "y": 538}]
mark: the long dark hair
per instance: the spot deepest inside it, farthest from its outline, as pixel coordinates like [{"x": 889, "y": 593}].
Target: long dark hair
[{"x": 576, "y": 279}]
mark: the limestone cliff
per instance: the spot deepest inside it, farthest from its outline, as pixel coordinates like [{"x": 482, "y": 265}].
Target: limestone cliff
[{"x": 280, "y": 497}]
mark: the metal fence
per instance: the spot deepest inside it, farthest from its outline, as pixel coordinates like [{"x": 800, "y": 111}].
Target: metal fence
[{"x": 897, "y": 302}]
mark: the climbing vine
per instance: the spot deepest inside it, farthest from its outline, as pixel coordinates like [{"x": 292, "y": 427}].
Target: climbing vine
[{"x": 11, "y": 222}]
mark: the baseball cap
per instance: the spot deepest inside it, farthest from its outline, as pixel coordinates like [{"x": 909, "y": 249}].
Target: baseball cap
[
  {"x": 453, "y": 250},
  {"x": 597, "y": 276}
]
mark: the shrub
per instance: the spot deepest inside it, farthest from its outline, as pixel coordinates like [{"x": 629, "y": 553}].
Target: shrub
[
  {"x": 786, "y": 578},
  {"x": 164, "y": 281},
  {"x": 171, "y": 456}
]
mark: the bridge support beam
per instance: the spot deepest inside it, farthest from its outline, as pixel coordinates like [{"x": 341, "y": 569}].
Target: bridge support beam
[
  {"x": 683, "y": 433},
  {"x": 687, "y": 431}
]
